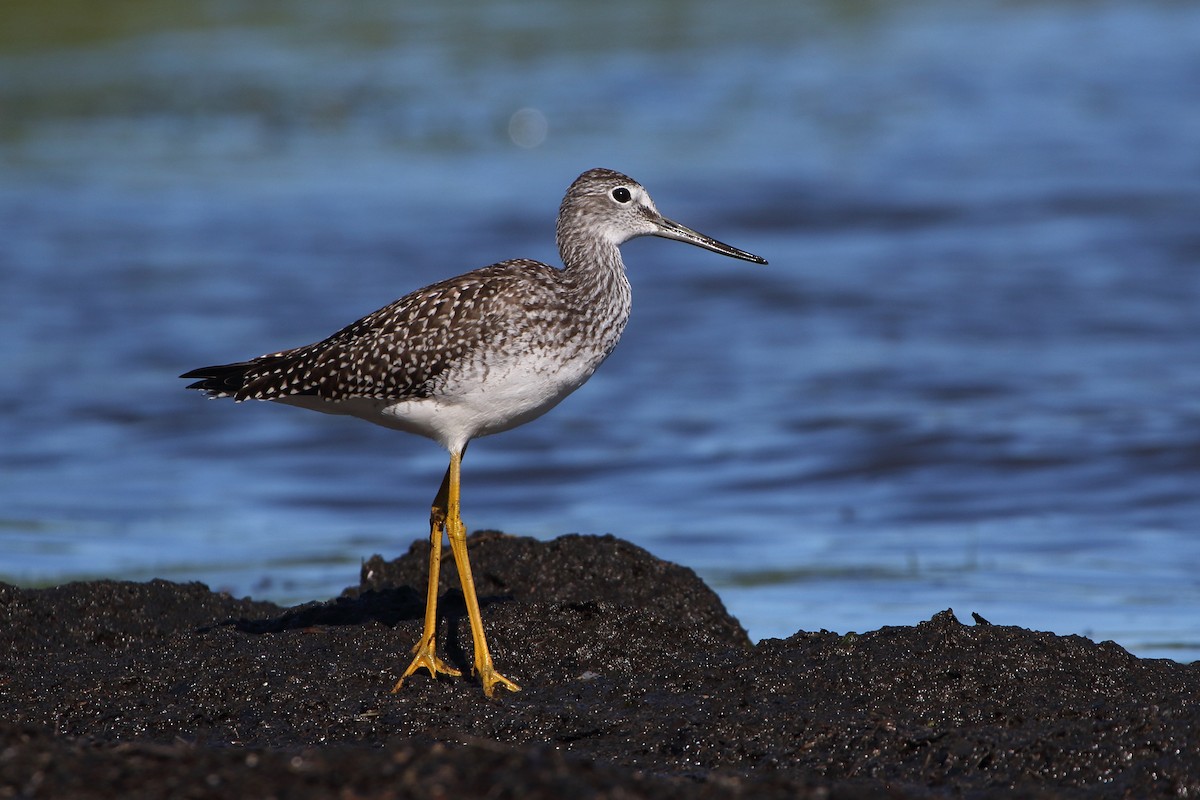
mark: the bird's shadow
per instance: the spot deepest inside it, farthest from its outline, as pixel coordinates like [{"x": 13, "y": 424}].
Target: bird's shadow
[
  {"x": 386, "y": 606},
  {"x": 389, "y": 607}
]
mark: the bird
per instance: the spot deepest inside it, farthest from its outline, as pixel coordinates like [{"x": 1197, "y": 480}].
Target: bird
[{"x": 471, "y": 356}]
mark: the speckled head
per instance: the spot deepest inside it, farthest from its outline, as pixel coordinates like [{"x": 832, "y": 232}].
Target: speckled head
[{"x": 603, "y": 205}]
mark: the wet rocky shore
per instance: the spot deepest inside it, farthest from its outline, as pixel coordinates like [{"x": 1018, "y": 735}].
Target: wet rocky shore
[{"x": 637, "y": 683}]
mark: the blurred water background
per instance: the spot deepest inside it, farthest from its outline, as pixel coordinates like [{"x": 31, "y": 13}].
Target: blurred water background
[{"x": 969, "y": 377}]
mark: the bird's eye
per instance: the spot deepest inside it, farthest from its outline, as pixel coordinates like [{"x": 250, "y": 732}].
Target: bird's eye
[{"x": 621, "y": 194}]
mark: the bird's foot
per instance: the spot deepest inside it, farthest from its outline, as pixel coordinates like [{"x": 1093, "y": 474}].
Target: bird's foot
[
  {"x": 425, "y": 657},
  {"x": 490, "y": 679}
]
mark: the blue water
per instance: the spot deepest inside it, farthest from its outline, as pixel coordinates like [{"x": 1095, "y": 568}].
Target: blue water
[{"x": 969, "y": 377}]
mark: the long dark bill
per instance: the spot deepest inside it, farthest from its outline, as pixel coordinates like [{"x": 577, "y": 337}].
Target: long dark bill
[{"x": 669, "y": 229}]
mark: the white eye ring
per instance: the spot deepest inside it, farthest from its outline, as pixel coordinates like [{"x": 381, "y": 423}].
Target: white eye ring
[{"x": 621, "y": 194}]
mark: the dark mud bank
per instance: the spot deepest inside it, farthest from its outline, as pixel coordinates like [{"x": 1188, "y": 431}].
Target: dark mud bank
[{"x": 637, "y": 684}]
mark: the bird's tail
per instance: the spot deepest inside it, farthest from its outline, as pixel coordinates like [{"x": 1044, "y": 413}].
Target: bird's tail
[{"x": 221, "y": 380}]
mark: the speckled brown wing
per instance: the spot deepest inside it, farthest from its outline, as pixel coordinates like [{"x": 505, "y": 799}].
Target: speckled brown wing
[{"x": 404, "y": 350}]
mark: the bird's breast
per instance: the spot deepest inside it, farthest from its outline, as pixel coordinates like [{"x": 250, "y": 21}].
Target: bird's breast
[{"x": 488, "y": 398}]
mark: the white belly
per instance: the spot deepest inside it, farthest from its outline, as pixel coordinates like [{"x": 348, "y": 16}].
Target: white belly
[{"x": 476, "y": 403}]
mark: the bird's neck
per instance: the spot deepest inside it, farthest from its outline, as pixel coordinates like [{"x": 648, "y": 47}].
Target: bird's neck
[{"x": 595, "y": 274}]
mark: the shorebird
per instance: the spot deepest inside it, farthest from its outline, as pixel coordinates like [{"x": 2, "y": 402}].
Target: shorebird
[{"x": 474, "y": 355}]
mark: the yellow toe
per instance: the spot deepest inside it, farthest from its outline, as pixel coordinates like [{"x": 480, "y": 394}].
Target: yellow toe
[
  {"x": 490, "y": 679},
  {"x": 426, "y": 658}
]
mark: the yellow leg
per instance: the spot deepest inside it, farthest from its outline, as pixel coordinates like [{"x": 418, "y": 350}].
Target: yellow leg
[
  {"x": 424, "y": 655},
  {"x": 457, "y": 533}
]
